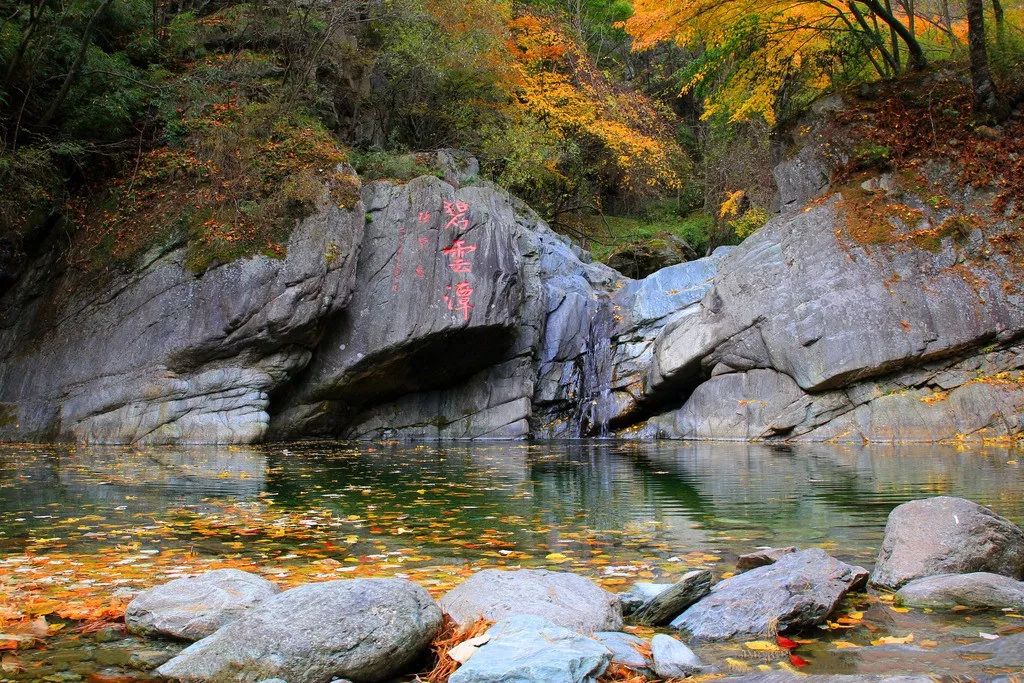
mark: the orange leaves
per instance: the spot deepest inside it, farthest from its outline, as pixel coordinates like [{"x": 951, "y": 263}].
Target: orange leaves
[{"x": 554, "y": 80}]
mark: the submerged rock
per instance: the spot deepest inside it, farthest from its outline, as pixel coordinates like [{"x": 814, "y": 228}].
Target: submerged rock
[
  {"x": 946, "y": 535},
  {"x": 532, "y": 649},
  {"x": 799, "y": 590},
  {"x": 1006, "y": 652},
  {"x": 363, "y": 629},
  {"x": 981, "y": 590},
  {"x": 565, "y": 599},
  {"x": 672, "y": 659},
  {"x": 667, "y": 605},
  {"x": 192, "y": 608}
]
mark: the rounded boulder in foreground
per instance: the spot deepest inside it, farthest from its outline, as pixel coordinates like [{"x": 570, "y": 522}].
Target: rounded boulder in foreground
[
  {"x": 565, "y": 599},
  {"x": 194, "y": 607},
  {"x": 363, "y": 629},
  {"x": 946, "y": 535}
]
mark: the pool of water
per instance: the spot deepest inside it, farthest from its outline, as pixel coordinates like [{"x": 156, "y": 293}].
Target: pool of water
[{"x": 82, "y": 528}]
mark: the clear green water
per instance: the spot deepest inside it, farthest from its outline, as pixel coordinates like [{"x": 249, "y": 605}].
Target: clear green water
[{"x": 106, "y": 521}]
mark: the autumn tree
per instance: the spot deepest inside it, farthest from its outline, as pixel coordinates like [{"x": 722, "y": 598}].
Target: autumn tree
[{"x": 760, "y": 51}]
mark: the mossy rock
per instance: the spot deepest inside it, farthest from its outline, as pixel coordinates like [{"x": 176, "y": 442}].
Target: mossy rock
[{"x": 640, "y": 258}]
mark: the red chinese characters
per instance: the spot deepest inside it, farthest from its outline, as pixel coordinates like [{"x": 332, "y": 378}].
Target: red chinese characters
[
  {"x": 457, "y": 254},
  {"x": 461, "y": 301},
  {"x": 458, "y": 215}
]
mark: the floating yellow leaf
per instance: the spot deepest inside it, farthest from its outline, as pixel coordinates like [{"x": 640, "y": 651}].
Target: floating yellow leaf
[
  {"x": 737, "y": 663},
  {"x": 893, "y": 640},
  {"x": 557, "y": 558},
  {"x": 901, "y": 610},
  {"x": 762, "y": 646},
  {"x": 844, "y": 644}
]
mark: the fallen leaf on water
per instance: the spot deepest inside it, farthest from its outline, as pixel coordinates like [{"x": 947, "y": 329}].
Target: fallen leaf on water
[
  {"x": 557, "y": 558},
  {"x": 761, "y": 646},
  {"x": 893, "y": 640},
  {"x": 797, "y": 660},
  {"x": 787, "y": 643},
  {"x": 901, "y": 610},
  {"x": 737, "y": 663},
  {"x": 844, "y": 644}
]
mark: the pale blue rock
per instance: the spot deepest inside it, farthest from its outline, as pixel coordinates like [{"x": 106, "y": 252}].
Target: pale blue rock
[
  {"x": 624, "y": 650},
  {"x": 531, "y": 649},
  {"x": 673, "y": 659}
]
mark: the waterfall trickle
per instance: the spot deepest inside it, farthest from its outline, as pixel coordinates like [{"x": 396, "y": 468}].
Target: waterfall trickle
[{"x": 597, "y": 405}]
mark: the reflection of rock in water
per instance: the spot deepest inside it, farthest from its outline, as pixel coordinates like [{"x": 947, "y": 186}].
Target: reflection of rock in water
[{"x": 116, "y": 476}]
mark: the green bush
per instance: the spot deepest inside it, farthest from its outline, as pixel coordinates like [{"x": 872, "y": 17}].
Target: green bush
[{"x": 385, "y": 165}]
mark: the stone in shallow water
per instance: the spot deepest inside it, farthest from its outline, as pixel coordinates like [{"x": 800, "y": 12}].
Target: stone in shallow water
[
  {"x": 566, "y": 599},
  {"x": 667, "y": 605},
  {"x": 194, "y": 607},
  {"x": 363, "y": 629},
  {"x": 981, "y": 590},
  {"x": 624, "y": 650},
  {"x": 672, "y": 659},
  {"x": 799, "y": 590},
  {"x": 946, "y": 535},
  {"x": 639, "y": 594},
  {"x": 762, "y": 557},
  {"x": 532, "y": 649}
]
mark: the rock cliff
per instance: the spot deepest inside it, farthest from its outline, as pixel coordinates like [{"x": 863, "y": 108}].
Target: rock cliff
[{"x": 864, "y": 311}]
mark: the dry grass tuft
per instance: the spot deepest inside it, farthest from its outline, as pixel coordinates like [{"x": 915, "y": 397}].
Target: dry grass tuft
[{"x": 450, "y": 635}]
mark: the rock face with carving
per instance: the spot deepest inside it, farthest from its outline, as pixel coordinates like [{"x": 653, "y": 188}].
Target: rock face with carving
[{"x": 443, "y": 310}]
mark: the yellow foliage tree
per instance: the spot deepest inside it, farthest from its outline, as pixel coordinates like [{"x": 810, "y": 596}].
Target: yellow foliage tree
[
  {"x": 764, "y": 47},
  {"x": 554, "y": 81}
]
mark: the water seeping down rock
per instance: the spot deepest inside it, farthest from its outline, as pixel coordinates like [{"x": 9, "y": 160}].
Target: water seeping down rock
[{"x": 429, "y": 310}]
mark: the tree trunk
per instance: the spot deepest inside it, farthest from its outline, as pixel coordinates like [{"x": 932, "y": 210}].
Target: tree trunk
[
  {"x": 917, "y": 58},
  {"x": 76, "y": 65},
  {"x": 986, "y": 98}
]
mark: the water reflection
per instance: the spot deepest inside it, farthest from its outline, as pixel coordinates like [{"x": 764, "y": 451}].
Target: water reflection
[{"x": 701, "y": 496}]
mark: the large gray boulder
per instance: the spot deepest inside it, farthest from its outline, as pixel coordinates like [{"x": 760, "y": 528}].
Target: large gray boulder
[
  {"x": 566, "y": 599},
  {"x": 363, "y": 629},
  {"x": 818, "y": 328},
  {"x": 437, "y": 297},
  {"x": 161, "y": 354},
  {"x": 801, "y": 589},
  {"x": 192, "y": 608},
  {"x": 946, "y": 535},
  {"x": 980, "y": 590},
  {"x": 531, "y": 649},
  {"x": 639, "y": 594}
]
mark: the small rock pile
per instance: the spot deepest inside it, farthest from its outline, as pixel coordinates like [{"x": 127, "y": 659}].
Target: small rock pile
[{"x": 557, "y": 627}]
